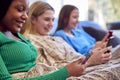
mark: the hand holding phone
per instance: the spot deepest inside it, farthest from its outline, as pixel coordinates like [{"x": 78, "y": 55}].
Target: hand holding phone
[
  {"x": 109, "y": 37},
  {"x": 110, "y": 33}
]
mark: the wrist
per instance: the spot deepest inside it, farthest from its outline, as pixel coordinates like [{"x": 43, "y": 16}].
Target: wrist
[{"x": 87, "y": 64}]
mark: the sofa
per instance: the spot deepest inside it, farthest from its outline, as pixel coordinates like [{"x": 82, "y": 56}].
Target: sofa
[{"x": 92, "y": 28}]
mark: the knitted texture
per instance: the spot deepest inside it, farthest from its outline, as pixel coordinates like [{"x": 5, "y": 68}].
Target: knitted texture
[{"x": 19, "y": 56}]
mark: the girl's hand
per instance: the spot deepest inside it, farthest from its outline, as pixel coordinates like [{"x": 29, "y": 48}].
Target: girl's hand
[
  {"x": 103, "y": 43},
  {"x": 99, "y": 56},
  {"x": 76, "y": 68}
]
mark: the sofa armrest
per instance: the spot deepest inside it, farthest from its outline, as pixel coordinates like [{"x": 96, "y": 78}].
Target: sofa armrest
[{"x": 99, "y": 34}]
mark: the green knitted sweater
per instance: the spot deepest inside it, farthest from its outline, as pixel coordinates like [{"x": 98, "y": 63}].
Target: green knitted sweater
[{"x": 19, "y": 56}]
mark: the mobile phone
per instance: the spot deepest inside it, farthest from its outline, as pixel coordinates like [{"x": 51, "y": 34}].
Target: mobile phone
[{"x": 110, "y": 34}]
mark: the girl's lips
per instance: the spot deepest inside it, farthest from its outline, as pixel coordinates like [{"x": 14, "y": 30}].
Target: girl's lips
[
  {"x": 47, "y": 29},
  {"x": 75, "y": 24},
  {"x": 20, "y": 23}
]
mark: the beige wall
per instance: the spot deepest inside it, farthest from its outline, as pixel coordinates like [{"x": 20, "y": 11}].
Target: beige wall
[{"x": 57, "y": 4}]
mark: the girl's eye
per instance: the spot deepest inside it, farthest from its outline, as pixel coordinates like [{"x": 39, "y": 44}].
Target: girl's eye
[
  {"x": 47, "y": 19},
  {"x": 20, "y": 9},
  {"x": 53, "y": 19},
  {"x": 75, "y": 16}
]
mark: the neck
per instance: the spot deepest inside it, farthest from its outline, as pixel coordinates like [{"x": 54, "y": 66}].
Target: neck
[
  {"x": 8, "y": 33},
  {"x": 68, "y": 31},
  {"x": 2, "y": 26},
  {"x": 38, "y": 34},
  {"x": 11, "y": 35}
]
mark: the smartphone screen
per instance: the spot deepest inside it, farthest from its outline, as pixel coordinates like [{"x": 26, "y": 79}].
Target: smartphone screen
[{"x": 110, "y": 35}]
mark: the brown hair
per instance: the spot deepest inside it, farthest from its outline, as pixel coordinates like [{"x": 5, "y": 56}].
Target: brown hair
[{"x": 64, "y": 16}]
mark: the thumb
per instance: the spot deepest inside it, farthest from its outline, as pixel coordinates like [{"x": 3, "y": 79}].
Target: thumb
[
  {"x": 80, "y": 60},
  {"x": 105, "y": 38}
]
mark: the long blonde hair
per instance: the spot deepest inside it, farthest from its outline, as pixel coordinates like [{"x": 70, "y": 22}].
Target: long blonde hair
[{"x": 35, "y": 10}]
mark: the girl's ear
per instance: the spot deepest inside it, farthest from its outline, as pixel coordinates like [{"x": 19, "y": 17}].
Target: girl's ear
[{"x": 33, "y": 20}]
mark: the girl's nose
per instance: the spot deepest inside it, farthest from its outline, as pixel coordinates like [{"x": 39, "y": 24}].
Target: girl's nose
[
  {"x": 77, "y": 21},
  {"x": 51, "y": 23},
  {"x": 25, "y": 16}
]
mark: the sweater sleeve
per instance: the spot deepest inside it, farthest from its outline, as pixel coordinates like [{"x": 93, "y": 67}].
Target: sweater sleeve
[
  {"x": 4, "y": 75},
  {"x": 60, "y": 74}
]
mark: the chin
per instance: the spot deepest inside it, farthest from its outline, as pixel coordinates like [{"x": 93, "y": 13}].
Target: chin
[
  {"x": 16, "y": 31},
  {"x": 73, "y": 28},
  {"x": 46, "y": 34}
]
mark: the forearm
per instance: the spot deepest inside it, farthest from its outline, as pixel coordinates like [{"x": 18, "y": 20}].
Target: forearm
[
  {"x": 4, "y": 74},
  {"x": 60, "y": 74}
]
